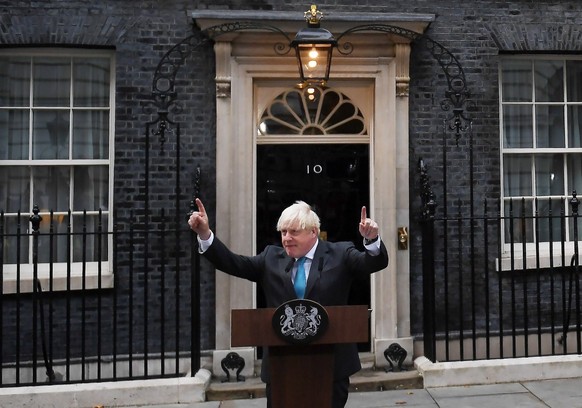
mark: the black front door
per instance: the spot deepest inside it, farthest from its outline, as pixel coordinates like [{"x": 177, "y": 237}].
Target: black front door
[{"x": 332, "y": 178}]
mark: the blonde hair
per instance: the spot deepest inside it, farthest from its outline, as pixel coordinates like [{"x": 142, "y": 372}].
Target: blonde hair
[{"x": 299, "y": 214}]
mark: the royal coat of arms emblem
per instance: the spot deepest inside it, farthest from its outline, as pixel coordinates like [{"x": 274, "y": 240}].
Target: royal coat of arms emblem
[{"x": 300, "y": 321}]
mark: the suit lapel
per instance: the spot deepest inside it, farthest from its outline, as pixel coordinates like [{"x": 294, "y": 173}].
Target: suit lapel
[
  {"x": 284, "y": 263},
  {"x": 316, "y": 266}
]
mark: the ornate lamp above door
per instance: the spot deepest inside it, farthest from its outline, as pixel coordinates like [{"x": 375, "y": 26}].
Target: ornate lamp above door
[{"x": 314, "y": 47}]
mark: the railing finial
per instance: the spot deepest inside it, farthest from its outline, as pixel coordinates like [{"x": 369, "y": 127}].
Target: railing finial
[{"x": 35, "y": 219}]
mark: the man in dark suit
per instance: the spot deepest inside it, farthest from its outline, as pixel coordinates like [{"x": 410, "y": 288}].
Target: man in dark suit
[{"x": 305, "y": 267}]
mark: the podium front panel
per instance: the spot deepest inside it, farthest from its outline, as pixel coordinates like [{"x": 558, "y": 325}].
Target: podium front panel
[
  {"x": 253, "y": 327},
  {"x": 301, "y": 376}
]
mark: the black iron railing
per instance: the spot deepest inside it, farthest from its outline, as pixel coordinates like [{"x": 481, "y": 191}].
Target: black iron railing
[
  {"x": 96, "y": 303},
  {"x": 499, "y": 281}
]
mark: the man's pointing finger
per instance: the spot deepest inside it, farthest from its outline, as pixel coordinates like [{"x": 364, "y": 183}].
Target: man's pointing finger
[{"x": 201, "y": 208}]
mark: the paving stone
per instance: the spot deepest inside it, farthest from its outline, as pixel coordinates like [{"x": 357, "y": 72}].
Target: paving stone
[
  {"x": 248, "y": 403},
  {"x": 395, "y": 398},
  {"x": 558, "y": 393},
  {"x": 517, "y": 400},
  {"x": 477, "y": 390}
]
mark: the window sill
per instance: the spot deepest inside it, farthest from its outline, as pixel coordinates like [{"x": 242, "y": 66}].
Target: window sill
[
  {"x": 62, "y": 280},
  {"x": 531, "y": 261}
]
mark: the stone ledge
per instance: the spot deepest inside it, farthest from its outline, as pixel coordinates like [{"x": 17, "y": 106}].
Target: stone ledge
[
  {"x": 123, "y": 393},
  {"x": 480, "y": 372}
]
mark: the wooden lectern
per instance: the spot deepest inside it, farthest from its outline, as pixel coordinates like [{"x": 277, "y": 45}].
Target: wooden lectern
[{"x": 301, "y": 375}]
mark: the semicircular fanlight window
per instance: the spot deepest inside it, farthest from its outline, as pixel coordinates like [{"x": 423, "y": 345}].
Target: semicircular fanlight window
[{"x": 312, "y": 111}]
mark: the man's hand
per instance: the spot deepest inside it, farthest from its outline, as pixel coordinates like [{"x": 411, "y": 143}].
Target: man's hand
[
  {"x": 198, "y": 221},
  {"x": 368, "y": 227}
]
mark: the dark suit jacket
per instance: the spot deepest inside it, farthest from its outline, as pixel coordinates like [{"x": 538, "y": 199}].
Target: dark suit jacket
[{"x": 333, "y": 269}]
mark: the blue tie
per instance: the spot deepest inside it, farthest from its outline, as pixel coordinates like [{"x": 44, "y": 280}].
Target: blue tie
[{"x": 300, "y": 278}]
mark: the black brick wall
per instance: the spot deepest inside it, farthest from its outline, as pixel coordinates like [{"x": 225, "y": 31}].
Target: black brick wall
[{"x": 476, "y": 32}]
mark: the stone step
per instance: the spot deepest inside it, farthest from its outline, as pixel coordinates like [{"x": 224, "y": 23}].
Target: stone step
[{"x": 367, "y": 379}]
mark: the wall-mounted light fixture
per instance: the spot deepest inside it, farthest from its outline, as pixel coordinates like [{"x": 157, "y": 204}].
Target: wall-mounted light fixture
[{"x": 314, "y": 47}]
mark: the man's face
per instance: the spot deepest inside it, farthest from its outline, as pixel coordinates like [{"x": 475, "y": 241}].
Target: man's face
[{"x": 296, "y": 241}]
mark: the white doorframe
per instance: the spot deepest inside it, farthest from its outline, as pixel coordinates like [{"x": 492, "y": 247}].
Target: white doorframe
[{"x": 243, "y": 59}]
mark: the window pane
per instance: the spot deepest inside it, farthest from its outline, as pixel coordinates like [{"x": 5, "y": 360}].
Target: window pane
[
  {"x": 518, "y": 221},
  {"x": 54, "y": 108},
  {"x": 15, "y": 145},
  {"x": 550, "y": 126},
  {"x": 550, "y": 212},
  {"x": 550, "y": 175},
  {"x": 549, "y": 77},
  {"x": 90, "y": 242},
  {"x": 90, "y": 135},
  {"x": 50, "y": 136},
  {"x": 91, "y": 188},
  {"x": 16, "y": 242},
  {"x": 517, "y": 180},
  {"x": 52, "y": 81},
  {"x": 52, "y": 245},
  {"x": 575, "y": 126},
  {"x": 51, "y": 188},
  {"x": 91, "y": 82},
  {"x": 517, "y": 126},
  {"x": 556, "y": 110},
  {"x": 15, "y": 189},
  {"x": 574, "y": 174},
  {"x": 517, "y": 81},
  {"x": 14, "y": 81},
  {"x": 574, "y": 81}
]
